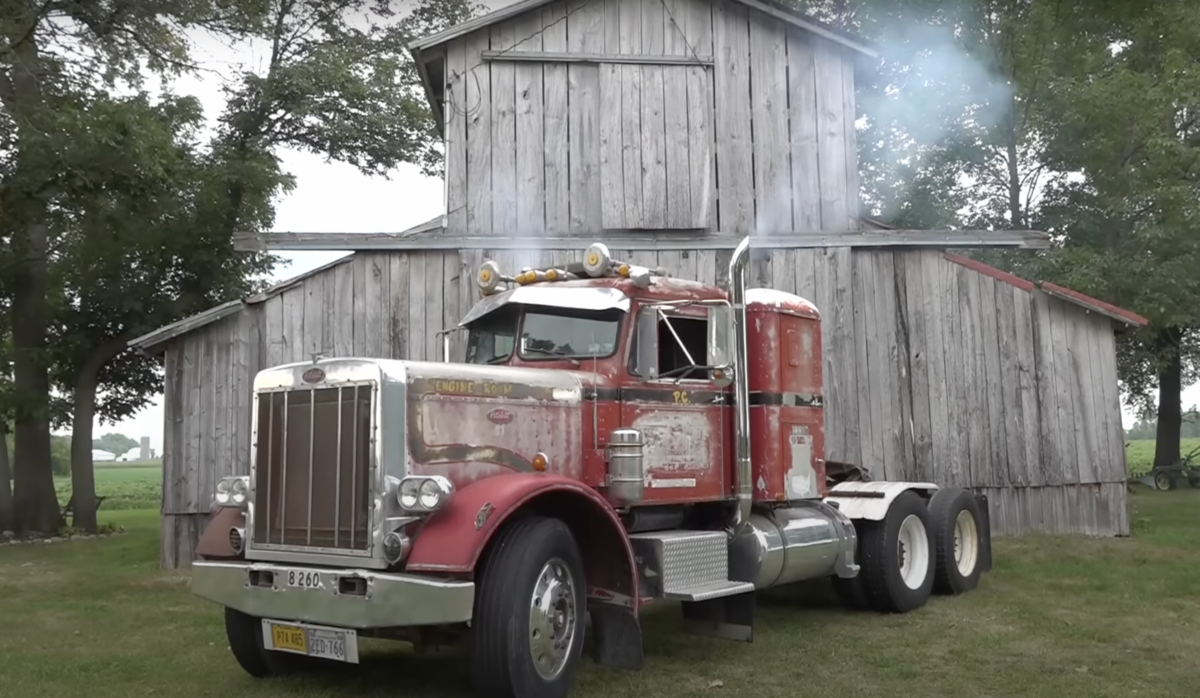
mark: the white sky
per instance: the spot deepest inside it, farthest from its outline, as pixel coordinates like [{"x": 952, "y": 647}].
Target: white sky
[{"x": 330, "y": 197}]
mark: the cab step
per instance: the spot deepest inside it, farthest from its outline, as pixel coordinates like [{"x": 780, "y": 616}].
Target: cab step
[{"x": 685, "y": 565}]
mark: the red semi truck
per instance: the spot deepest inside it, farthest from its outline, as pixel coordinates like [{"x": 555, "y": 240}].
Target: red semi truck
[{"x": 615, "y": 437}]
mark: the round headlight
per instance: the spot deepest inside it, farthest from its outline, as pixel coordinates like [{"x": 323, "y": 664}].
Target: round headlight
[
  {"x": 239, "y": 491},
  {"x": 224, "y": 493},
  {"x": 409, "y": 493},
  {"x": 431, "y": 494}
]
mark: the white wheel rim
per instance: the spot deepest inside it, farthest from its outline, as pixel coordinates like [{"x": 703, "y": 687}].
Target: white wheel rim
[
  {"x": 552, "y": 619},
  {"x": 966, "y": 543},
  {"x": 912, "y": 551}
]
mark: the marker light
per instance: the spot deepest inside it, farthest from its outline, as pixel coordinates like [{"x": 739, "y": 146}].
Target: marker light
[
  {"x": 540, "y": 462},
  {"x": 488, "y": 277},
  {"x": 596, "y": 259}
]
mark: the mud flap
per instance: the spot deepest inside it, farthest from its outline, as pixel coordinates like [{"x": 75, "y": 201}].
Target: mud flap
[
  {"x": 616, "y": 637},
  {"x": 728, "y": 618},
  {"x": 985, "y": 533}
]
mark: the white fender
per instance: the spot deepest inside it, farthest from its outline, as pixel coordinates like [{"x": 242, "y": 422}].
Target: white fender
[{"x": 875, "y": 506}]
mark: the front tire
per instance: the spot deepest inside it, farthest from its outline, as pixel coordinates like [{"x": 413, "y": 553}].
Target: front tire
[
  {"x": 245, "y": 636},
  {"x": 897, "y": 558},
  {"x": 528, "y": 626}
]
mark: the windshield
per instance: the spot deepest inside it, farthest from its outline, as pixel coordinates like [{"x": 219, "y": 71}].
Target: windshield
[
  {"x": 490, "y": 339},
  {"x": 547, "y": 335}
]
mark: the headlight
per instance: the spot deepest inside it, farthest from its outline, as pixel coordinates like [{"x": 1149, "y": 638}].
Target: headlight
[
  {"x": 233, "y": 491},
  {"x": 409, "y": 492},
  {"x": 424, "y": 493}
]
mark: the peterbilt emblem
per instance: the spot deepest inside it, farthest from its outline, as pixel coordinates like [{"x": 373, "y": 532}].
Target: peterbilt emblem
[
  {"x": 313, "y": 375},
  {"x": 500, "y": 416}
]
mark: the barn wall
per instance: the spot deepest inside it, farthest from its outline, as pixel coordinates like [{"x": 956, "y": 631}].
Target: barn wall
[
  {"x": 574, "y": 148},
  {"x": 933, "y": 372}
]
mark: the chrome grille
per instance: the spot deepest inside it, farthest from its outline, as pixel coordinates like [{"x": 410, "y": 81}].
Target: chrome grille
[{"x": 312, "y": 468}]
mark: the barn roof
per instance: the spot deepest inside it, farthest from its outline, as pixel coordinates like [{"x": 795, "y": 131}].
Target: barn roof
[
  {"x": 1095, "y": 305},
  {"x": 431, "y": 61}
]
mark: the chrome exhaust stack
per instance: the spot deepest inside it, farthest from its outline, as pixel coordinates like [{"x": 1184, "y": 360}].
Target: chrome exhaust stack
[{"x": 741, "y": 385}]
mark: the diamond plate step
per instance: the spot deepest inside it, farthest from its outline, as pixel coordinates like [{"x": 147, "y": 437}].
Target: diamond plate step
[{"x": 685, "y": 565}]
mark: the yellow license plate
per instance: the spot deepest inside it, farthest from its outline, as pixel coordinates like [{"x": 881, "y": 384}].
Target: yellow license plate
[{"x": 289, "y": 637}]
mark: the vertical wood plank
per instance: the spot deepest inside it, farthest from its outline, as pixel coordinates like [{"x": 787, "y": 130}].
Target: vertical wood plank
[
  {"x": 934, "y": 309},
  {"x": 504, "y": 133},
  {"x": 530, "y": 202},
  {"x": 451, "y": 280},
  {"x": 432, "y": 316},
  {"x": 675, "y": 117},
  {"x": 1047, "y": 407},
  {"x": 455, "y": 114},
  {"x": 654, "y": 134},
  {"x": 397, "y": 316},
  {"x": 276, "y": 337},
  {"x": 1068, "y": 467},
  {"x": 555, "y": 121},
  {"x": 831, "y": 137},
  {"x": 955, "y": 336},
  {"x": 1010, "y": 438},
  {"x": 735, "y": 171},
  {"x": 417, "y": 285},
  {"x": 612, "y": 182},
  {"x": 869, "y": 362},
  {"x": 585, "y": 34},
  {"x": 849, "y": 117},
  {"x": 1114, "y": 438},
  {"x": 697, "y": 30},
  {"x": 1082, "y": 382},
  {"x": 976, "y": 374},
  {"x": 803, "y": 121},
  {"x": 1030, "y": 428},
  {"x": 769, "y": 123},
  {"x": 478, "y": 113},
  {"x": 916, "y": 328},
  {"x": 996, "y": 473},
  {"x": 343, "y": 319},
  {"x": 376, "y": 294}
]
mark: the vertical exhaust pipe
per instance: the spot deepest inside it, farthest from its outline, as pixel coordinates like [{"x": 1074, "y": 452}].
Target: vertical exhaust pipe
[{"x": 741, "y": 385}]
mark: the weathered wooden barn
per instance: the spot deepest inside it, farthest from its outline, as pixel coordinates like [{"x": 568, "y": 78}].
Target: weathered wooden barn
[{"x": 670, "y": 130}]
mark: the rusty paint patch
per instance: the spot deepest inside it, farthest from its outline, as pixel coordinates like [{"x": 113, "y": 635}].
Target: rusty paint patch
[
  {"x": 500, "y": 415},
  {"x": 484, "y": 512}
]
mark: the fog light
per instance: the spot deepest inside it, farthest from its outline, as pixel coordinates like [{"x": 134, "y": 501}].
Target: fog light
[
  {"x": 237, "y": 539},
  {"x": 395, "y": 547}
]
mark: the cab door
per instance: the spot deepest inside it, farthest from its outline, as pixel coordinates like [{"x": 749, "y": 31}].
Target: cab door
[{"x": 683, "y": 419}]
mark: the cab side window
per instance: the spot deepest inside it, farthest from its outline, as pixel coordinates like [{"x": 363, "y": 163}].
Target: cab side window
[{"x": 682, "y": 343}]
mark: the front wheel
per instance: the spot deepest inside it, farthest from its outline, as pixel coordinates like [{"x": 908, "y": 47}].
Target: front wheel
[
  {"x": 245, "y": 636},
  {"x": 527, "y": 631}
]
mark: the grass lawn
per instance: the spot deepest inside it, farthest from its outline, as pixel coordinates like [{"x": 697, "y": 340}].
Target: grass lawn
[{"x": 1056, "y": 617}]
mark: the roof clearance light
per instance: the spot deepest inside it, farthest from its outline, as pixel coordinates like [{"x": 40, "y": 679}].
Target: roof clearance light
[
  {"x": 488, "y": 277},
  {"x": 596, "y": 259},
  {"x": 551, "y": 275}
]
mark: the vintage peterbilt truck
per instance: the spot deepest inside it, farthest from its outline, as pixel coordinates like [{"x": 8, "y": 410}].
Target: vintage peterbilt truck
[{"x": 615, "y": 437}]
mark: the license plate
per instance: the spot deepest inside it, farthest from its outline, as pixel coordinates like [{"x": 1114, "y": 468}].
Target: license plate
[
  {"x": 304, "y": 579},
  {"x": 338, "y": 644}
]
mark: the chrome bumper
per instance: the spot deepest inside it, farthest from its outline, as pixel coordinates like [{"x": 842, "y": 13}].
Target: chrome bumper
[{"x": 379, "y": 601}]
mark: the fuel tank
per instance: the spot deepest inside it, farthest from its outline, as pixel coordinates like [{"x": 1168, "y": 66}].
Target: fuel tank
[
  {"x": 468, "y": 422},
  {"x": 791, "y": 544}
]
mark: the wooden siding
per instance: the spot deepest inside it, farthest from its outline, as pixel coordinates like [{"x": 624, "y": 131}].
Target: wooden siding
[
  {"x": 757, "y": 133},
  {"x": 933, "y": 372}
]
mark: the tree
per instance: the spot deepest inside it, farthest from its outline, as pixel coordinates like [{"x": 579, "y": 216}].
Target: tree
[
  {"x": 117, "y": 444},
  {"x": 54, "y": 55},
  {"x": 152, "y": 244}
]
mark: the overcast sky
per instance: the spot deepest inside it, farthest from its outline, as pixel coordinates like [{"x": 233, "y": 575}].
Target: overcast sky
[{"x": 329, "y": 197}]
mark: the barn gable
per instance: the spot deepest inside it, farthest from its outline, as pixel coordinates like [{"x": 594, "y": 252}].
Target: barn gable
[{"x": 691, "y": 116}]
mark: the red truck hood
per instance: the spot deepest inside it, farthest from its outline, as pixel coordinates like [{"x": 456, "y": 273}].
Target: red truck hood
[{"x": 468, "y": 422}]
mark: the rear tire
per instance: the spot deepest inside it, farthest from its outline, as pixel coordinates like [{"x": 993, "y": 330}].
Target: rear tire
[
  {"x": 897, "y": 565},
  {"x": 245, "y": 636},
  {"x": 528, "y": 626},
  {"x": 957, "y": 541}
]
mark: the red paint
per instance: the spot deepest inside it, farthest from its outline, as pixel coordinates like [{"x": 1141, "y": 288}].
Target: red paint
[
  {"x": 784, "y": 341},
  {"x": 1083, "y": 300},
  {"x": 1095, "y": 304},
  {"x": 500, "y": 416},
  {"x": 989, "y": 270},
  {"x": 449, "y": 542},
  {"x": 214, "y": 540}
]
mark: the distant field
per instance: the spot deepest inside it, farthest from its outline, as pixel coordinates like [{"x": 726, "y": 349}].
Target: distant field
[
  {"x": 1140, "y": 454},
  {"x": 128, "y": 464},
  {"x": 129, "y": 485}
]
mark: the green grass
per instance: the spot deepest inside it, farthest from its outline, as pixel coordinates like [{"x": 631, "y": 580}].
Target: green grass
[
  {"x": 1058, "y": 616},
  {"x": 126, "y": 486},
  {"x": 1139, "y": 457}
]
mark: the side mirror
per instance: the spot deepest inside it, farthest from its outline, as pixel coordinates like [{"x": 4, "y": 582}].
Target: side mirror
[
  {"x": 645, "y": 342},
  {"x": 720, "y": 320}
]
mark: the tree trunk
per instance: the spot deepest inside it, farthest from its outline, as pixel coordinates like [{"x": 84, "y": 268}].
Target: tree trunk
[
  {"x": 83, "y": 470},
  {"x": 35, "y": 502},
  {"x": 1170, "y": 398},
  {"x": 7, "y": 515}
]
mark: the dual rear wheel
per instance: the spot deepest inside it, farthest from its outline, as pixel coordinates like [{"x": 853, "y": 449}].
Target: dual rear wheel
[{"x": 918, "y": 549}]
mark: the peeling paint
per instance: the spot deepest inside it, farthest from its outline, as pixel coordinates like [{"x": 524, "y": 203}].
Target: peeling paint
[{"x": 677, "y": 441}]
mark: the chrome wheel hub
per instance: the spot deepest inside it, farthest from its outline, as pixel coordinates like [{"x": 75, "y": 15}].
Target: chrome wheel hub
[{"x": 552, "y": 619}]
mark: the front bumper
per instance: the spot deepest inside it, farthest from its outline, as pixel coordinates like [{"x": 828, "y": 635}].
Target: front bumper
[{"x": 348, "y": 598}]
